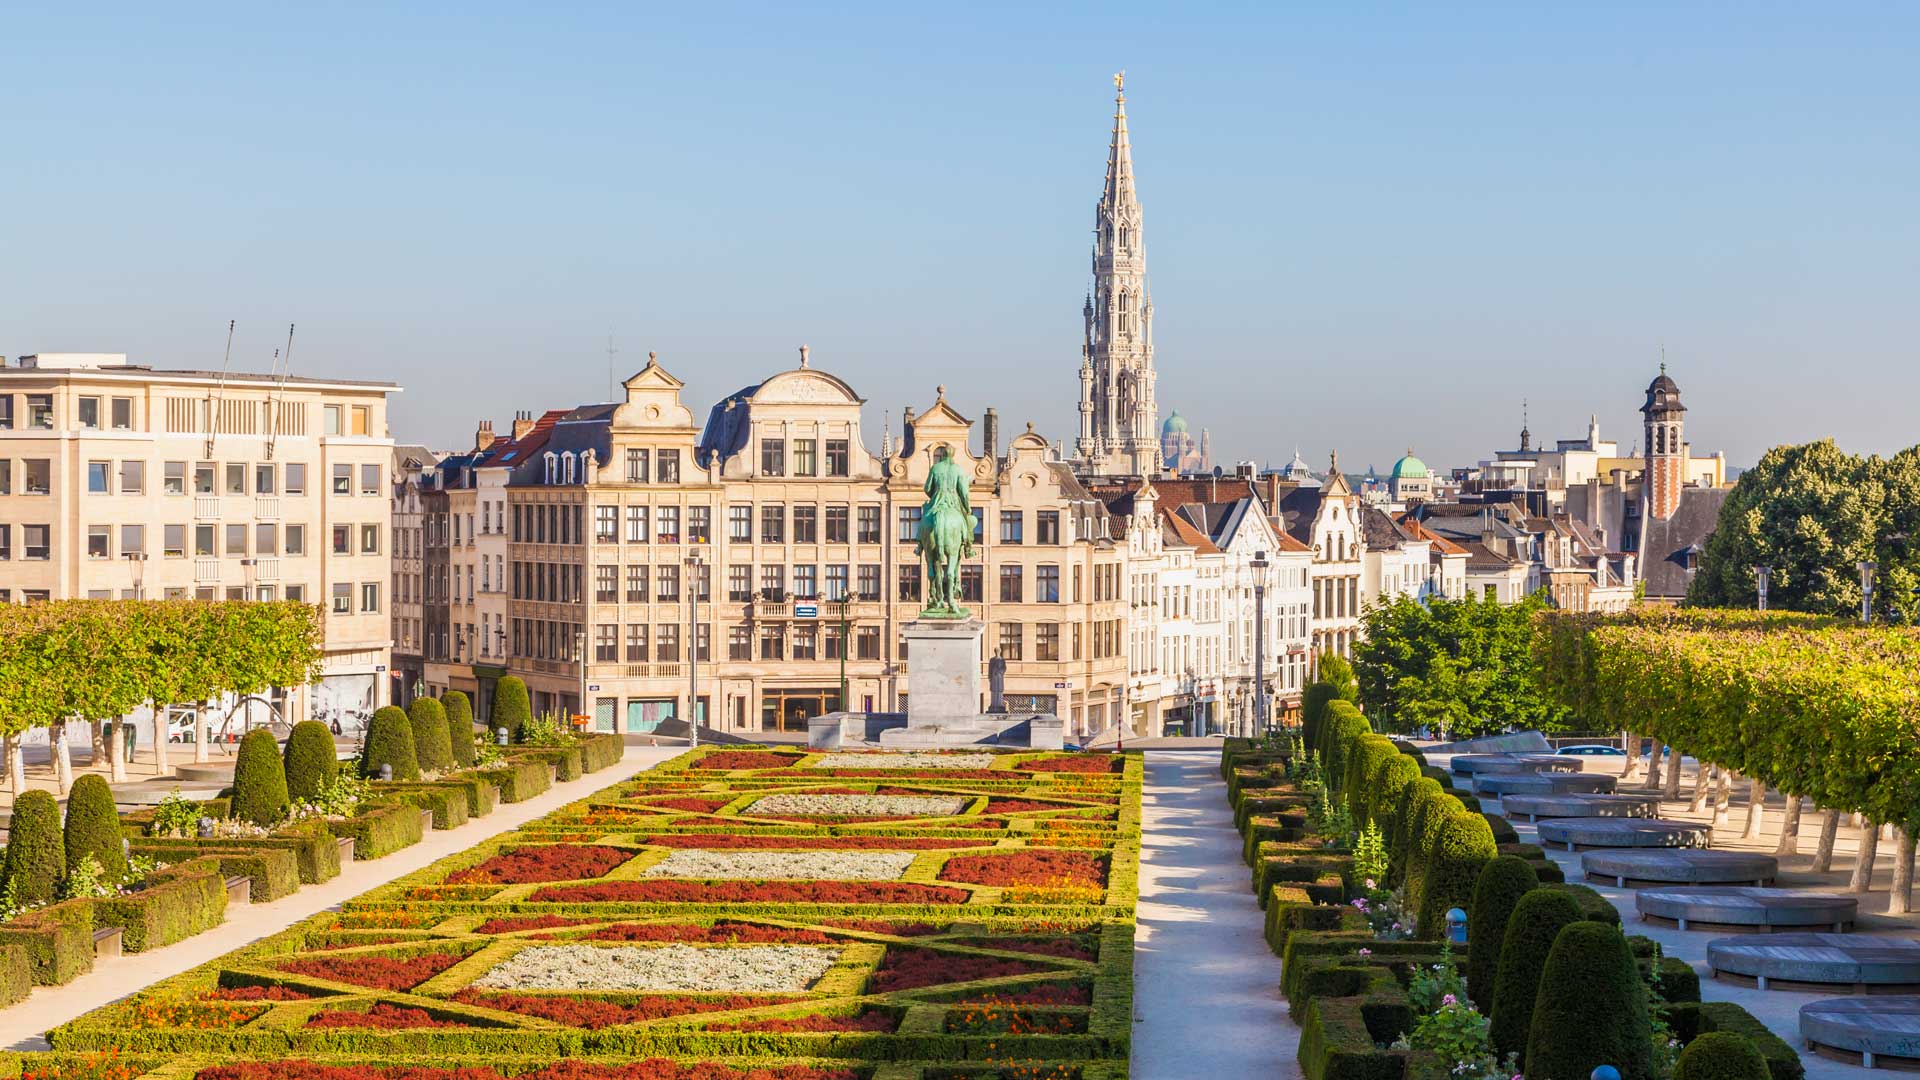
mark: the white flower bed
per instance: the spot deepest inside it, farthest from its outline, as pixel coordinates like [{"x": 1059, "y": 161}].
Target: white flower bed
[
  {"x": 904, "y": 760},
  {"x": 783, "y": 865},
  {"x": 860, "y": 805},
  {"x": 746, "y": 969}
]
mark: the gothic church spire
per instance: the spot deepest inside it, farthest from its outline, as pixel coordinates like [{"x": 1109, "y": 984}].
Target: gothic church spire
[{"x": 1119, "y": 426}]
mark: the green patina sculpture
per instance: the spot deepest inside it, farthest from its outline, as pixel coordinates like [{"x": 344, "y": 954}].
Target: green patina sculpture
[{"x": 946, "y": 536}]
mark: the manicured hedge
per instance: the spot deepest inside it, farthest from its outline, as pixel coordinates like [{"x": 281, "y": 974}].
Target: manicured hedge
[
  {"x": 36, "y": 860},
  {"x": 1590, "y": 1009},
  {"x": 519, "y": 779},
  {"x": 58, "y": 940},
  {"x": 511, "y": 706},
  {"x": 1366, "y": 756},
  {"x": 1344, "y": 728},
  {"x": 273, "y": 872},
  {"x": 1406, "y": 819},
  {"x": 448, "y": 803},
  {"x": 1593, "y": 906},
  {"x": 1461, "y": 848},
  {"x": 177, "y": 903},
  {"x": 1720, "y": 1055},
  {"x": 1690, "y": 1020},
  {"x": 93, "y": 828},
  {"x": 459, "y": 728},
  {"x": 16, "y": 974},
  {"x": 380, "y": 829},
  {"x": 390, "y": 742},
  {"x": 1501, "y": 884},
  {"x": 311, "y": 761},
  {"x": 432, "y": 747},
  {"x": 1385, "y": 784},
  {"x": 260, "y": 780},
  {"x": 1531, "y": 930}
]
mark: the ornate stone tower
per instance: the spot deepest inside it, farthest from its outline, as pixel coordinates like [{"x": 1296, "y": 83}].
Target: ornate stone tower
[
  {"x": 1119, "y": 421},
  {"x": 1665, "y": 473}
]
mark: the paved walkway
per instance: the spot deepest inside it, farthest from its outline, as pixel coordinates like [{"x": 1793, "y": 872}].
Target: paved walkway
[
  {"x": 22, "y": 1025},
  {"x": 1206, "y": 987}
]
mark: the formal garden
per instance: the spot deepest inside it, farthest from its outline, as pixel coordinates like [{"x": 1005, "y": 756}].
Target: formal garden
[
  {"x": 1418, "y": 937},
  {"x": 735, "y": 913}
]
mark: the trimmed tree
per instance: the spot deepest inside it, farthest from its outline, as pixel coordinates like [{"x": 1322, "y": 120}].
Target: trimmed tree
[
  {"x": 1720, "y": 1055},
  {"x": 432, "y": 749},
  {"x": 93, "y": 828},
  {"x": 1462, "y": 847},
  {"x": 260, "y": 780},
  {"x": 1536, "y": 921},
  {"x": 1498, "y": 891},
  {"x": 459, "y": 728},
  {"x": 311, "y": 761},
  {"x": 389, "y": 742},
  {"x": 1591, "y": 1009},
  {"x": 511, "y": 706},
  {"x": 1313, "y": 714},
  {"x": 1368, "y": 754},
  {"x": 36, "y": 852},
  {"x": 1344, "y": 729},
  {"x": 1421, "y": 843},
  {"x": 1405, "y": 823},
  {"x": 1385, "y": 785}
]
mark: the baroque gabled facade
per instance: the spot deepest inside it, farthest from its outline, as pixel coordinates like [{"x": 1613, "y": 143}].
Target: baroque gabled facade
[{"x": 1119, "y": 420}]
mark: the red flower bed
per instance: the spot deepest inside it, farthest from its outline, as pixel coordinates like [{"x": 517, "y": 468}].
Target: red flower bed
[
  {"x": 881, "y": 926},
  {"x": 383, "y": 1015},
  {"x": 730, "y": 841},
  {"x": 1064, "y": 948},
  {"x": 1017, "y": 806},
  {"x": 905, "y": 969},
  {"x": 1039, "y": 866},
  {"x": 871, "y": 1021},
  {"x": 650, "y": 1069},
  {"x": 693, "y": 803},
  {"x": 720, "y": 933},
  {"x": 1104, "y": 764},
  {"x": 256, "y": 993},
  {"x": 543, "y": 862},
  {"x": 596, "y": 1013},
  {"x": 530, "y": 922},
  {"x": 1044, "y": 994},
  {"x": 354, "y": 943},
  {"x": 746, "y": 759},
  {"x": 376, "y": 972},
  {"x": 753, "y": 892}
]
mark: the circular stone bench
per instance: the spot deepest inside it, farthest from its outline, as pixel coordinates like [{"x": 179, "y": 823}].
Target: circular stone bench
[
  {"x": 1876, "y": 1030},
  {"x": 1473, "y": 764},
  {"x": 1573, "y": 833},
  {"x": 1575, "y": 804},
  {"x": 1827, "y": 962},
  {"x": 1679, "y": 866},
  {"x": 1753, "y": 910},
  {"x": 1543, "y": 783}
]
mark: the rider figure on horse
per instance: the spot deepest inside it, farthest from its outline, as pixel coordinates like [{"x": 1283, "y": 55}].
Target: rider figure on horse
[{"x": 946, "y": 535}]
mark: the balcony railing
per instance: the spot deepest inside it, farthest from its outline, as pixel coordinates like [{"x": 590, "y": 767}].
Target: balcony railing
[
  {"x": 206, "y": 507},
  {"x": 206, "y": 571}
]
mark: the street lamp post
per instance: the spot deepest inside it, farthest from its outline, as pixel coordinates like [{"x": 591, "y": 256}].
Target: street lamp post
[
  {"x": 1867, "y": 567},
  {"x": 693, "y": 649},
  {"x": 845, "y": 642},
  {"x": 580, "y": 655},
  {"x": 1259, "y": 643},
  {"x": 1761, "y": 576}
]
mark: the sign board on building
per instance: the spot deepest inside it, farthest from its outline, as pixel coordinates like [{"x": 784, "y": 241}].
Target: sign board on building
[
  {"x": 806, "y": 611},
  {"x": 1063, "y": 685},
  {"x": 379, "y": 667},
  {"x": 591, "y": 687}
]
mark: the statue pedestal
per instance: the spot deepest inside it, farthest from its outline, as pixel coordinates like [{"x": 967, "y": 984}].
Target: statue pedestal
[{"x": 943, "y": 671}]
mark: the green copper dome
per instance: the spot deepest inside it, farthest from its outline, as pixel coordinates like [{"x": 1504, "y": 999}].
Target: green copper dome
[
  {"x": 1410, "y": 468},
  {"x": 1174, "y": 425}
]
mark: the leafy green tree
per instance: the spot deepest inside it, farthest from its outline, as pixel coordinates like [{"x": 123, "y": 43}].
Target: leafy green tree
[
  {"x": 36, "y": 852},
  {"x": 311, "y": 760},
  {"x": 259, "y": 780},
  {"x": 459, "y": 728},
  {"x": 93, "y": 828},
  {"x": 511, "y": 706},
  {"x": 431, "y": 746},
  {"x": 1336, "y": 672},
  {"x": 1460, "y": 667}
]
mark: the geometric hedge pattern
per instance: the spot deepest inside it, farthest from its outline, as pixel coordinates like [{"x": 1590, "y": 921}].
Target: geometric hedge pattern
[{"x": 992, "y": 938}]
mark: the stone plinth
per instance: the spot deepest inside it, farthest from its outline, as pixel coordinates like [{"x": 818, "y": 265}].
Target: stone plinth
[
  {"x": 1475, "y": 764},
  {"x": 1550, "y": 783},
  {"x": 943, "y": 702},
  {"x": 943, "y": 671},
  {"x": 1681, "y": 866},
  {"x": 1575, "y": 833},
  {"x": 1579, "y": 805},
  {"x": 1758, "y": 910},
  {"x": 1820, "y": 962},
  {"x": 1881, "y": 1030}
]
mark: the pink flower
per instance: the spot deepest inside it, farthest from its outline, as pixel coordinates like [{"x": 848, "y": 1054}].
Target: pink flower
[
  {"x": 1366, "y": 952},
  {"x": 1449, "y": 1000}
]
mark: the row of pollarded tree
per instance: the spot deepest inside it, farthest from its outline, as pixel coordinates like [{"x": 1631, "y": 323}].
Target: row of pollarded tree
[
  {"x": 1823, "y": 710},
  {"x": 94, "y": 661}
]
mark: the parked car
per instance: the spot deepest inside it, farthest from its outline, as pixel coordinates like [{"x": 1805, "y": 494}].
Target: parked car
[{"x": 1591, "y": 750}]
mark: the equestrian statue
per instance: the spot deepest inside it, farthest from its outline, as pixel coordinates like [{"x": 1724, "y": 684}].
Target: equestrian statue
[{"x": 946, "y": 536}]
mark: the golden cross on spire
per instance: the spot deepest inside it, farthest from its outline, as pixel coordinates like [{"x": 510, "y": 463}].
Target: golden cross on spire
[{"x": 1120, "y": 83}]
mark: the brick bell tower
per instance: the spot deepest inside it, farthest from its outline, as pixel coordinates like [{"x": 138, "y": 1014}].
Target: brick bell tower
[{"x": 1665, "y": 473}]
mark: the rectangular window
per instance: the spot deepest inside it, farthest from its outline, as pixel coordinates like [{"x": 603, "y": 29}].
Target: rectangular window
[
  {"x": 173, "y": 541},
  {"x": 773, "y": 581},
  {"x": 369, "y": 597},
  {"x": 667, "y": 466},
  {"x": 236, "y": 539},
  {"x": 173, "y": 478},
  {"x": 369, "y": 479},
  {"x": 6, "y": 477},
  {"x": 700, "y": 580},
  {"x": 88, "y": 414},
  {"x": 699, "y": 524},
  {"x": 606, "y": 524},
  {"x": 636, "y": 525},
  {"x": 1011, "y": 640},
  {"x": 739, "y": 583},
  {"x": 35, "y": 540},
  {"x": 740, "y": 524},
  {"x": 806, "y": 643},
  {"x": 330, "y": 420},
  {"x": 637, "y": 584},
  {"x": 296, "y": 539},
  {"x": 909, "y": 524},
  {"x": 869, "y": 524},
  {"x": 739, "y": 643},
  {"x": 773, "y": 643},
  {"x": 806, "y": 460},
  {"x": 122, "y": 414},
  {"x": 133, "y": 478},
  {"x": 38, "y": 476},
  {"x": 263, "y": 479},
  {"x": 972, "y": 582},
  {"x": 835, "y": 645},
  {"x": 773, "y": 523},
  {"x": 868, "y": 578},
  {"x": 296, "y": 478},
  {"x": 836, "y": 524},
  {"x": 666, "y": 581},
  {"x": 806, "y": 582},
  {"x": 866, "y": 642},
  {"x": 297, "y": 593},
  {"x": 837, "y": 582},
  {"x": 636, "y": 643},
  {"x": 773, "y": 457},
  {"x": 99, "y": 539},
  {"x": 1046, "y": 641},
  {"x": 606, "y": 584},
  {"x": 637, "y": 466},
  {"x": 666, "y": 642},
  {"x": 40, "y": 411},
  {"x": 97, "y": 476},
  {"x": 1047, "y": 525},
  {"x": 806, "y": 524},
  {"x": 370, "y": 540},
  {"x": 606, "y": 642},
  {"x": 362, "y": 420},
  {"x": 909, "y": 584},
  {"x": 343, "y": 540},
  {"x": 1012, "y": 584},
  {"x": 1046, "y": 581},
  {"x": 1012, "y": 527},
  {"x": 343, "y": 479},
  {"x": 666, "y": 524},
  {"x": 236, "y": 478},
  {"x": 266, "y": 538},
  {"x": 6, "y": 412},
  {"x": 837, "y": 464},
  {"x": 203, "y": 540}
]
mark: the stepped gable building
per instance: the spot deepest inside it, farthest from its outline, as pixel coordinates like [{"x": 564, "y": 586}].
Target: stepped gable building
[
  {"x": 1119, "y": 420},
  {"x": 1325, "y": 517}
]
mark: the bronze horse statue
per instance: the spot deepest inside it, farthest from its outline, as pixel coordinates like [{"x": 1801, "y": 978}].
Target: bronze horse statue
[{"x": 946, "y": 536}]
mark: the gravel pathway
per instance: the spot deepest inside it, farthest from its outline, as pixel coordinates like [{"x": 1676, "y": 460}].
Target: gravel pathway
[{"x": 1206, "y": 987}]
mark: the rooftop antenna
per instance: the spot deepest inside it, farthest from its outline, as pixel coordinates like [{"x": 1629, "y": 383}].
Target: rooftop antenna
[
  {"x": 219, "y": 390},
  {"x": 610, "y": 353},
  {"x": 284, "y": 366}
]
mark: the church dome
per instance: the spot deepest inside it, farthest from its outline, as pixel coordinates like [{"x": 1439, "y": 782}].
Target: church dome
[
  {"x": 1410, "y": 468},
  {"x": 1174, "y": 425}
]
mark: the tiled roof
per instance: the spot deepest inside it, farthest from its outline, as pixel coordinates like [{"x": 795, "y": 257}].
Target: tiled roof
[{"x": 1664, "y": 544}]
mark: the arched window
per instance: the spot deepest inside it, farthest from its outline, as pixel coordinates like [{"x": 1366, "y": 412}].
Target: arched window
[
  {"x": 1123, "y": 311},
  {"x": 1126, "y": 238},
  {"x": 552, "y": 464}
]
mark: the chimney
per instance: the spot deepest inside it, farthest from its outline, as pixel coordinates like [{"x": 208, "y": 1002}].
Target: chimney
[
  {"x": 483, "y": 435},
  {"x": 522, "y": 423},
  {"x": 990, "y": 436}
]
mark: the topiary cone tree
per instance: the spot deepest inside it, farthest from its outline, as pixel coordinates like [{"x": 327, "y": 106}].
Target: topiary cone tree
[
  {"x": 1405, "y": 823},
  {"x": 311, "y": 760},
  {"x": 1313, "y": 714},
  {"x": 1385, "y": 785},
  {"x": 511, "y": 706},
  {"x": 1369, "y": 753},
  {"x": 1536, "y": 921},
  {"x": 260, "y": 780},
  {"x": 1428, "y": 819},
  {"x": 459, "y": 728},
  {"x": 432, "y": 750},
  {"x": 389, "y": 742},
  {"x": 93, "y": 828},
  {"x": 1496, "y": 893},
  {"x": 1462, "y": 847},
  {"x": 1591, "y": 1009},
  {"x": 36, "y": 852},
  {"x": 1720, "y": 1055}
]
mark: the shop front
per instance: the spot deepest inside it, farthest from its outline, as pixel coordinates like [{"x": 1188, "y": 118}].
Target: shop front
[{"x": 784, "y": 709}]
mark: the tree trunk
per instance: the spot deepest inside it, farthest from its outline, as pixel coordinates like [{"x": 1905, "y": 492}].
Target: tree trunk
[
  {"x": 1653, "y": 767},
  {"x": 1701, "y": 785},
  {"x": 62, "y": 759},
  {"x": 1628, "y": 744},
  {"x": 1721, "y": 796},
  {"x": 1901, "y": 902},
  {"x": 1862, "y": 880},
  {"x": 160, "y": 727},
  {"x": 1789, "y": 829},
  {"x": 116, "y": 755},
  {"x": 201, "y": 751},
  {"x": 1823, "y": 854},
  {"x": 1672, "y": 792},
  {"x": 1756, "y": 809},
  {"x": 16, "y": 766},
  {"x": 97, "y": 743}
]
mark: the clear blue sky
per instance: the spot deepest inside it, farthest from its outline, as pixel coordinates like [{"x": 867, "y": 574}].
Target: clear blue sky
[{"x": 1366, "y": 229}]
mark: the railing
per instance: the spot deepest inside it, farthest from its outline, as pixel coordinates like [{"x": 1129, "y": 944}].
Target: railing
[
  {"x": 266, "y": 507},
  {"x": 206, "y": 507},
  {"x": 266, "y": 569},
  {"x": 206, "y": 570}
]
